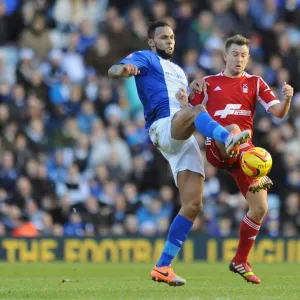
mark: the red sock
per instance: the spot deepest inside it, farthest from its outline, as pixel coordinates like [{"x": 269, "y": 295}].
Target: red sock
[{"x": 248, "y": 232}]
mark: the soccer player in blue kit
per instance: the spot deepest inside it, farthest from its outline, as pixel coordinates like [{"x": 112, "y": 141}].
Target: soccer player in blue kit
[{"x": 171, "y": 129}]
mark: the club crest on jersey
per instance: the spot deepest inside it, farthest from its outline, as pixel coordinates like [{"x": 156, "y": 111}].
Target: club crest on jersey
[{"x": 245, "y": 88}]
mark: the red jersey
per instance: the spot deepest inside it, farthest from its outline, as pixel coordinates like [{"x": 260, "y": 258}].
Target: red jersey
[{"x": 233, "y": 100}]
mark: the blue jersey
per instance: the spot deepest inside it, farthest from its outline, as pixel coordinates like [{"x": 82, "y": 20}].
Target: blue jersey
[{"x": 158, "y": 82}]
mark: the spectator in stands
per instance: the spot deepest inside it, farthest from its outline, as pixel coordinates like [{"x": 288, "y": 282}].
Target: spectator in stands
[
  {"x": 37, "y": 37},
  {"x": 101, "y": 55},
  {"x": 74, "y": 187},
  {"x": 243, "y": 23},
  {"x": 8, "y": 171}
]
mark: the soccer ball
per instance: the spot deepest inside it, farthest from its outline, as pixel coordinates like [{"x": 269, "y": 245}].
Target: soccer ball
[{"x": 256, "y": 162}]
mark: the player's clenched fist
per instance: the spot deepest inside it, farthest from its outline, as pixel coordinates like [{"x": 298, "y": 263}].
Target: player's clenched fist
[
  {"x": 199, "y": 85},
  {"x": 129, "y": 70},
  {"x": 123, "y": 70},
  {"x": 182, "y": 97},
  {"x": 287, "y": 91}
]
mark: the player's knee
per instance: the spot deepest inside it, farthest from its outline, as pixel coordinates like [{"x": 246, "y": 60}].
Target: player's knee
[
  {"x": 260, "y": 210},
  {"x": 193, "y": 208},
  {"x": 196, "y": 207},
  {"x": 188, "y": 115},
  {"x": 233, "y": 127},
  {"x": 198, "y": 109}
]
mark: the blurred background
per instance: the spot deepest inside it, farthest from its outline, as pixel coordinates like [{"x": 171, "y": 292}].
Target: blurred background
[{"x": 75, "y": 159}]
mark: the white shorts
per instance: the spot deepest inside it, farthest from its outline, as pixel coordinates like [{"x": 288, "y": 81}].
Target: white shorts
[{"x": 181, "y": 155}]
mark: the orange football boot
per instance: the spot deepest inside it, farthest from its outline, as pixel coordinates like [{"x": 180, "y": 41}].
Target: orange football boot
[
  {"x": 262, "y": 183},
  {"x": 166, "y": 274}
]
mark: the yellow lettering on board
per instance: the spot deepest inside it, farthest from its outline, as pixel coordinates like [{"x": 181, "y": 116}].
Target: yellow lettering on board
[
  {"x": 89, "y": 246},
  {"x": 142, "y": 251},
  {"x": 157, "y": 249},
  {"x": 298, "y": 252},
  {"x": 108, "y": 246},
  {"x": 46, "y": 250},
  {"x": 29, "y": 250},
  {"x": 71, "y": 250},
  {"x": 291, "y": 251},
  {"x": 125, "y": 248},
  {"x": 229, "y": 249},
  {"x": 265, "y": 251},
  {"x": 279, "y": 251},
  {"x": 188, "y": 251},
  {"x": 11, "y": 247},
  {"x": 211, "y": 250}
]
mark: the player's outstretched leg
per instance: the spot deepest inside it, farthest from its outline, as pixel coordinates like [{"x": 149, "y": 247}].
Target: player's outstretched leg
[{"x": 205, "y": 124}]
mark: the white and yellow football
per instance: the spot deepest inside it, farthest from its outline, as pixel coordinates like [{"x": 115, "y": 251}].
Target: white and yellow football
[{"x": 256, "y": 162}]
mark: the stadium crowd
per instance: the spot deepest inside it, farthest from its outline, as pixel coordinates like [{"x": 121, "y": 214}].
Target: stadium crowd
[{"x": 75, "y": 159}]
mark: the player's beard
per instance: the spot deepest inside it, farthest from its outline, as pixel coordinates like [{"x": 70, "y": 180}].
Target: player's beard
[{"x": 164, "y": 54}]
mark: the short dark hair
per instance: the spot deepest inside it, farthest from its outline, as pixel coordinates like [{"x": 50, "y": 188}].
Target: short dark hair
[
  {"x": 238, "y": 40},
  {"x": 153, "y": 25}
]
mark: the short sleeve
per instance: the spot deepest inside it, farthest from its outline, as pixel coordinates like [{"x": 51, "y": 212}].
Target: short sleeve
[
  {"x": 140, "y": 59},
  {"x": 265, "y": 96}
]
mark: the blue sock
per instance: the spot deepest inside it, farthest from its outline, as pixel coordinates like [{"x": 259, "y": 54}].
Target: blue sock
[
  {"x": 208, "y": 127},
  {"x": 178, "y": 233}
]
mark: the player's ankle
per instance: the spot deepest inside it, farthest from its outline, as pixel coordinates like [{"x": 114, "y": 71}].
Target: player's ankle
[
  {"x": 239, "y": 259},
  {"x": 161, "y": 265}
]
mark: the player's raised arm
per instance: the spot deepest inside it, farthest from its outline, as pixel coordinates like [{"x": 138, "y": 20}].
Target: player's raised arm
[
  {"x": 136, "y": 63},
  {"x": 270, "y": 102},
  {"x": 123, "y": 70},
  {"x": 279, "y": 110}
]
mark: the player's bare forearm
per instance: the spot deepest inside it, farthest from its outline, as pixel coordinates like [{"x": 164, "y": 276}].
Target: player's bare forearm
[
  {"x": 286, "y": 103},
  {"x": 182, "y": 97},
  {"x": 116, "y": 71},
  {"x": 281, "y": 109},
  {"x": 126, "y": 70}
]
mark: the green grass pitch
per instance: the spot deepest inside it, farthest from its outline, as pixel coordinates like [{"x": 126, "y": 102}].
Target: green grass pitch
[{"x": 131, "y": 281}]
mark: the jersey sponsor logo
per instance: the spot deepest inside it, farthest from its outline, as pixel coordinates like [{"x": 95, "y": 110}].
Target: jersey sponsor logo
[
  {"x": 174, "y": 74},
  {"x": 232, "y": 109},
  {"x": 245, "y": 88},
  {"x": 217, "y": 89}
]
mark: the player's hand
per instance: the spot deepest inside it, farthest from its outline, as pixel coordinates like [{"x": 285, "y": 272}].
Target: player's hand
[
  {"x": 288, "y": 91},
  {"x": 199, "y": 85},
  {"x": 129, "y": 70},
  {"x": 182, "y": 97}
]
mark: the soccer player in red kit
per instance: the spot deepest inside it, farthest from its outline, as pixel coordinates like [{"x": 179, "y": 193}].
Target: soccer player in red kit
[{"x": 230, "y": 98}]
